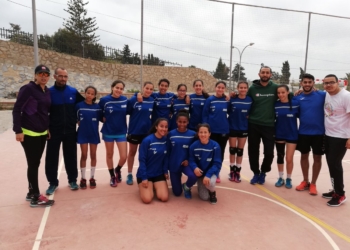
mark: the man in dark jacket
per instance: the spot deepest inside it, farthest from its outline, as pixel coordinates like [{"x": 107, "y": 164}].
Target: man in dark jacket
[{"x": 62, "y": 130}]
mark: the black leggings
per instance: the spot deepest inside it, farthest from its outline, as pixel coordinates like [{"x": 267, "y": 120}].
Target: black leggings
[
  {"x": 33, "y": 148},
  {"x": 335, "y": 151},
  {"x": 221, "y": 139}
]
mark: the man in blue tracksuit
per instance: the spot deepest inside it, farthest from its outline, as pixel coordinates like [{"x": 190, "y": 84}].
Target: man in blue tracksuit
[{"x": 62, "y": 129}]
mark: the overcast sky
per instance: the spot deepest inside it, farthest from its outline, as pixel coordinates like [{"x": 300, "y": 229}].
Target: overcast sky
[{"x": 197, "y": 32}]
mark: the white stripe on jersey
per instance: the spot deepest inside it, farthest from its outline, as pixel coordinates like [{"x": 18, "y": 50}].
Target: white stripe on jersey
[
  {"x": 286, "y": 107},
  {"x": 115, "y": 102},
  {"x": 179, "y": 136},
  {"x": 143, "y": 102},
  {"x": 158, "y": 143},
  {"x": 203, "y": 149}
]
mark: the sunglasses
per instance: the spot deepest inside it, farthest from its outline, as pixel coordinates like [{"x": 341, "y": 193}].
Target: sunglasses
[{"x": 43, "y": 74}]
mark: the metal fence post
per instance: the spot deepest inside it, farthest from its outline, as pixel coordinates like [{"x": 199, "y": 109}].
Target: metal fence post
[{"x": 35, "y": 36}]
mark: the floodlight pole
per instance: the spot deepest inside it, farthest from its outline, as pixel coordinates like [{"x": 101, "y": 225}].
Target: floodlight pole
[
  {"x": 230, "y": 75},
  {"x": 240, "y": 58},
  {"x": 35, "y": 35},
  {"x": 141, "y": 56},
  {"x": 307, "y": 42}
]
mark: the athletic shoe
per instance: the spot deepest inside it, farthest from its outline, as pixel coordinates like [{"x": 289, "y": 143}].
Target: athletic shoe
[
  {"x": 29, "y": 197},
  {"x": 237, "y": 177},
  {"x": 303, "y": 186},
  {"x": 129, "y": 179},
  {"x": 41, "y": 201},
  {"x": 231, "y": 176},
  {"x": 261, "y": 180},
  {"x": 328, "y": 195},
  {"x": 218, "y": 179},
  {"x": 51, "y": 189},
  {"x": 336, "y": 200},
  {"x": 279, "y": 183},
  {"x": 255, "y": 179},
  {"x": 113, "y": 182},
  {"x": 312, "y": 189},
  {"x": 83, "y": 184},
  {"x": 187, "y": 192},
  {"x": 212, "y": 197},
  {"x": 73, "y": 185},
  {"x": 289, "y": 183},
  {"x": 92, "y": 183},
  {"x": 118, "y": 175}
]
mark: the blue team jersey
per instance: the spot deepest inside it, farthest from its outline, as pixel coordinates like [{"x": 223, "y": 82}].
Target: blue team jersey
[
  {"x": 114, "y": 110},
  {"x": 286, "y": 125},
  {"x": 177, "y": 104},
  {"x": 140, "y": 115},
  {"x": 196, "y": 110},
  {"x": 312, "y": 113},
  {"x": 215, "y": 114},
  {"x": 178, "y": 148},
  {"x": 162, "y": 106},
  {"x": 88, "y": 116},
  {"x": 239, "y": 112},
  {"x": 206, "y": 157},
  {"x": 152, "y": 157}
]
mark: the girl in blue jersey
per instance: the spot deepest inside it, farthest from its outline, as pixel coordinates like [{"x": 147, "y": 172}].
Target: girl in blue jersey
[
  {"x": 238, "y": 120},
  {"x": 215, "y": 114},
  {"x": 114, "y": 128},
  {"x": 178, "y": 104},
  {"x": 139, "y": 124},
  {"x": 286, "y": 133},
  {"x": 197, "y": 101},
  {"x": 89, "y": 114},
  {"x": 153, "y": 169},
  {"x": 205, "y": 161},
  {"x": 179, "y": 141}
]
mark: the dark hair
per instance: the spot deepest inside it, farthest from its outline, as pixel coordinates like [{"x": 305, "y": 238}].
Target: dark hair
[
  {"x": 242, "y": 82},
  {"x": 145, "y": 83},
  {"x": 181, "y": 85},
  {"x": 289, "y": 97},
  {"x": 224, "y": 83},
  {"x": 164, "y": 80},
  {"x": 308, "y": 76},
  {"x": 204, "y": 93},
  {"x": 332, "y": 75},
  {"x": 205, "y": 125},
  {"x": 153, "y": 129},
  {"x": 184, "y": 113},
  {"x": 91, "y": 87},
  {"x": 115, "y": 83},
  {"x": 61, "y": 68},
  {"x": 265, "y": 67}
]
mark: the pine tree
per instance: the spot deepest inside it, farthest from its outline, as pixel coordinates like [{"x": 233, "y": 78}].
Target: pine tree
[
  {"x": 302, "y": 72},
  {"x": 126, "y": 54},
  {"x": 235, "y": 74},
  {"x": 285, "y": 73},
  {"x": 276, "y": 76},
  {"x": 79, "y": 24},
  {"x": 221, "y": 71}
]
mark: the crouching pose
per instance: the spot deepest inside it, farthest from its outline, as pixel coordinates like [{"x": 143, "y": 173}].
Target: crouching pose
[
  {"x": 205, "y": 161},
  {"x": 153, "y": 169}
]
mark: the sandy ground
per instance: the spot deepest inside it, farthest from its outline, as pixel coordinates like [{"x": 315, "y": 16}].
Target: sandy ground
[{"x": 5, "y": 120}]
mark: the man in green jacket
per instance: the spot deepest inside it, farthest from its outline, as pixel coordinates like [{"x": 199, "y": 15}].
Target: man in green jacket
[{"x": 262, "y": 124}]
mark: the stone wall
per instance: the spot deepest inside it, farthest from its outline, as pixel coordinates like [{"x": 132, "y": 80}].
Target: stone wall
[{"x": 16, "y": 69}]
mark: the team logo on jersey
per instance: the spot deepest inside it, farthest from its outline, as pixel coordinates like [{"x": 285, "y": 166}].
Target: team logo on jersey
[
  {"x": 209, "y": 159},
  {"x": 169, "y": 105},
  {"x": 71, "y": 98},
  {"x": 257, "y": 94},
  {"x": 225, "y": 110},
  {"x": 94, "y": 119},
  {"x": 164, "y": 151},
  {"x": 185, "y": 146},
  {"x": 123, "y": 106},
  {"x": 157, "y": 103},
  {"x": 290, "y": 115},
  {"x": 202, "y": 103},
  {"x": 154, "y": 152},
  {"x": 81, "y": 118},
  {"x": 244, "y": 111},
  {"x": 150, "y": 109}
]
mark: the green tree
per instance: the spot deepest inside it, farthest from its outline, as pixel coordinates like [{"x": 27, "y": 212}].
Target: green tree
[
  {"x": 18, "y": 36},
  {"x": 126, "y": 54},
  {"x": 302, "y": 72},
  {"x": 235, "y": 73},
  {"x": 285, "y": 73},
  {"x": 192, "y": 66},
  {"x": 348, "y": 78},
  {"x": 276, "y": 77},
  {"x": 221, "y": 71}
]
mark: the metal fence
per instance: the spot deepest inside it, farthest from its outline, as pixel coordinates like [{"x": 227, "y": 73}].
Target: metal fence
[{"x": 81, "y": 49}]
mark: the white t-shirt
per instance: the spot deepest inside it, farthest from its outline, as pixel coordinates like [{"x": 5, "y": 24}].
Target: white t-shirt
[{"x": 337, "y": 114}]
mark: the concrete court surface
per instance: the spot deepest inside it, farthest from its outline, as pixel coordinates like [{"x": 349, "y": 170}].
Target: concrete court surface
[{"x": 245, "y": 217}]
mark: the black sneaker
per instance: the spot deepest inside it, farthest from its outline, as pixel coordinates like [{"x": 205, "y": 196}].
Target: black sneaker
[
  {"x": 212, "y": 197},
  {"x": 328, "y": 195},
  {"x": 92, "y": 183},
  {"x": 118, "y": 175},
  {"x": 336, "y": 200},
  {"x": 29, "y": 197},
  {"x": 41, "y": 201},
  {"x": 83, "y": 184}
]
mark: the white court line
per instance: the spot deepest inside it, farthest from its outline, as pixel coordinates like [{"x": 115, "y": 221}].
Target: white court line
[
  {"x": 320, "y": 229},
  {"x": 41, "y": 229}
]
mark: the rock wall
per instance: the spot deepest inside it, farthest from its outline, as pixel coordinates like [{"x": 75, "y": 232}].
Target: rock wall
[{"x": 16, "y": 69}]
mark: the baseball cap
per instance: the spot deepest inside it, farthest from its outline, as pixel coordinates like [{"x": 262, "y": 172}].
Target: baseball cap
[{"x": 41, "y": 68}]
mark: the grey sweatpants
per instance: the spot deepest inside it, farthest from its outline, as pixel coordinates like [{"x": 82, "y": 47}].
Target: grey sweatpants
[{"x": 203, "y": 190}]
